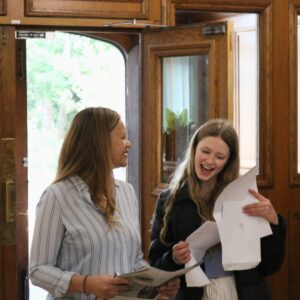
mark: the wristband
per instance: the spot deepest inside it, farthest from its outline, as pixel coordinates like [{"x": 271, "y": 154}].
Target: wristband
[{"x": 83, "y": 285}]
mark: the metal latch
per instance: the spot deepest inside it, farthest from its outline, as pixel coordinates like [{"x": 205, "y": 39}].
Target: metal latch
[{"x": 214, "y": 29}]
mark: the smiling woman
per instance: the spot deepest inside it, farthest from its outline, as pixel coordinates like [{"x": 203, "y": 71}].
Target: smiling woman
[
  {"x": 87, "y": 223},
  {"x": 64, "y": 75},
  {"x": 210, "y": 165}
]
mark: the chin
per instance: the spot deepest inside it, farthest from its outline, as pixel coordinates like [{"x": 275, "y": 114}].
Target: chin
[
  {"x": 121, "y": 165},
  {"x": 205, "y": 178}
]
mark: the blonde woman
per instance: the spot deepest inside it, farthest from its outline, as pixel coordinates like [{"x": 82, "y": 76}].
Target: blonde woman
[
  {"x": 211, "y": 163},
  {"x": 87, "y": 226}
]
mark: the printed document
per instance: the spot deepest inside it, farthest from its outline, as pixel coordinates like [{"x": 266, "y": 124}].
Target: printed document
[{"x": 146, "y": 281}]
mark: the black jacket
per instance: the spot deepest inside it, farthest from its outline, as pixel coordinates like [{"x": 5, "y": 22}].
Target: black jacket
[{"x": 250, "y": 284}]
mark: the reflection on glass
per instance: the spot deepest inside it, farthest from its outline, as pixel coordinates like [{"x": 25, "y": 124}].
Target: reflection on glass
[{"x": 185, "y": 106}]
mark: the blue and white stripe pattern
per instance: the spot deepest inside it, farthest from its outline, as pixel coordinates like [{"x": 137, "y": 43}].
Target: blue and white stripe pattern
[{"x": 71, "y": 237}]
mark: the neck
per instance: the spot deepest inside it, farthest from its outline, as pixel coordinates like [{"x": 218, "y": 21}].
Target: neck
[{"x": 206, "y": 188}]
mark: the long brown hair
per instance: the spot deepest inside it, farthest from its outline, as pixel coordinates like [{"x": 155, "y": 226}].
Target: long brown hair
[
  {"x": 86, "y": 152},
  {"x": 185, "y": 172}
]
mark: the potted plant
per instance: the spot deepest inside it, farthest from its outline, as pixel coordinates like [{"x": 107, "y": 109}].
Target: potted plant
[{"x": 175, "y": 132}]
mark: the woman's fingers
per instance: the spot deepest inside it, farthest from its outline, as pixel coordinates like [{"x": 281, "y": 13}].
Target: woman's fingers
[
  {"x": 181, "y": 252},
  {"x": 170, "y": 289},
  {"x": 263, "y": 208}
]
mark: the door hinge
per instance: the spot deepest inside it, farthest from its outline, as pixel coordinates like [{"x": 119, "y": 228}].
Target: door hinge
[{"x": 25, "y": 162}]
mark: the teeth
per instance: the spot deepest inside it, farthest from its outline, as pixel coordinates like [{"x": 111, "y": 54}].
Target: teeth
[{"x": 207, "y": 168}]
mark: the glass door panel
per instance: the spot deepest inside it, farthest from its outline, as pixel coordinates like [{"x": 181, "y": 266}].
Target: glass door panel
[{"x": 185, "y": 105}]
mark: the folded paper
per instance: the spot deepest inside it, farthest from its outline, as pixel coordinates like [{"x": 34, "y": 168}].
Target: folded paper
[
  {"x": 200, "y": 241},
  {"x": 239, "y": 234}
]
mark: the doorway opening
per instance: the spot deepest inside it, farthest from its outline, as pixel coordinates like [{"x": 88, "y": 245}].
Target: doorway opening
[
  {"x": 245, "y": 70},
  {"x": 65, "y": 74}
]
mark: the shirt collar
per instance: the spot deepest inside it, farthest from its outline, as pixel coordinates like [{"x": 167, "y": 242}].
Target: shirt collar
[{"x": 82, "y": 186}]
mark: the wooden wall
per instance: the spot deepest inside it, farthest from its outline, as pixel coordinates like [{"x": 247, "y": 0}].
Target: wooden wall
[{"x": 280, "y": 98}]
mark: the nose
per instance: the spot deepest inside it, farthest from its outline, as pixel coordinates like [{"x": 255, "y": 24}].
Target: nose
[
  {"x": 210, "y": 159},
  {"x": 129, "y": 144}
]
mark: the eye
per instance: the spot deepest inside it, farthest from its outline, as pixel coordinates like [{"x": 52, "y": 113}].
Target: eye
[{"x": 221, "y": 157}]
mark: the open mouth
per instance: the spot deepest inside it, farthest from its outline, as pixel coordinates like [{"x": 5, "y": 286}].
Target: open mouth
[{"x": 206, "y": 170}]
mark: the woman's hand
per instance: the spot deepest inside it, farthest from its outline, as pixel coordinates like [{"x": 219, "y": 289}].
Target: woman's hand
[
  {"x": 105, "y": 287},
  {"x": 170, "y": 289},
  {"x": 181, "y": 253},
  {"x": 263, "y": 208}
]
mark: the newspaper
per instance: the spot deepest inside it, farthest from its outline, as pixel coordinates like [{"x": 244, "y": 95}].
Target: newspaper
[{"x": 146, "y": 281}]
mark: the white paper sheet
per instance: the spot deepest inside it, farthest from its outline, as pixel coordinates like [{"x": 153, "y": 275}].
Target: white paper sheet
[
  {"x": 200, "y": 241},
  {"x": 239, "y": 234}
]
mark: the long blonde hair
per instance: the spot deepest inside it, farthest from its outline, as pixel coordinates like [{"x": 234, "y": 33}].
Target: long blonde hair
[
  {"x": 185, "y": 172},
  {"x": 86, "y": 152}
]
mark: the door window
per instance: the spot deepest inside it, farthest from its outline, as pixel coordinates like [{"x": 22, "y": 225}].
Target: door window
[{"x": 185, "y": 105}]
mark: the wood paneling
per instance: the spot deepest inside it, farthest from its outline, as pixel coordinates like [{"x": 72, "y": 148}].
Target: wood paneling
[
  {"x": 3, "y": 8},
  {"x": 137, "y": 9}
]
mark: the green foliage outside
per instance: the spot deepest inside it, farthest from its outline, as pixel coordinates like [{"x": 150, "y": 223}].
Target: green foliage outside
[{"x": 64, "y": 75}]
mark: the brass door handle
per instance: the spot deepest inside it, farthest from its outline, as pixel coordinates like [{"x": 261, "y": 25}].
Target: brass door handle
[{"x": 9, "y": 198}]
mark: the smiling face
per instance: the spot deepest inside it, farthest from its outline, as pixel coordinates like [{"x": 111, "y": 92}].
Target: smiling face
[
  {"x": 211, "y": 155},
  {"x": 119, "y": 145}
]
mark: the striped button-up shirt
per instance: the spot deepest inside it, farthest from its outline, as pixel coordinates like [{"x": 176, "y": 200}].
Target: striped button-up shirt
[{"x": 71, "y": 237}]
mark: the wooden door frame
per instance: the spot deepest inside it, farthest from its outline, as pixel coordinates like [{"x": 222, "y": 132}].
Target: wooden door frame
[{"x": 264, "y": 9}]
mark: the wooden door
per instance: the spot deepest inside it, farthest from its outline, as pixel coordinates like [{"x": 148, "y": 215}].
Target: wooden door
[
  {"x": 13, "y": 221},
  {"x": 204, "y": 40}
]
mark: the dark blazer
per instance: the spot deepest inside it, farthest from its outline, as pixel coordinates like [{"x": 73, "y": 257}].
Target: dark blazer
[{"x": 250, "y": 284}]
